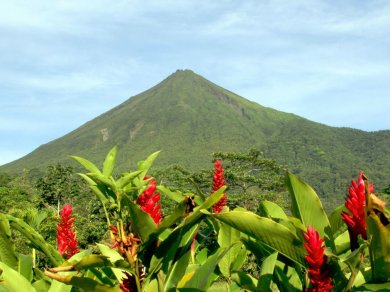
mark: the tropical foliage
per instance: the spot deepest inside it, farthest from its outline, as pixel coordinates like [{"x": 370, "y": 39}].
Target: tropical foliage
[{"x": 148, "y": 250}]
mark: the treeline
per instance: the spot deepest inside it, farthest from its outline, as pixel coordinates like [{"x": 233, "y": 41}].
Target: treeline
[{"x": 37, "y": 198}]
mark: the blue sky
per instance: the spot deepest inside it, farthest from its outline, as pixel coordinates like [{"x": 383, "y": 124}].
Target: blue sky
[{"x": 66, "y": 62}]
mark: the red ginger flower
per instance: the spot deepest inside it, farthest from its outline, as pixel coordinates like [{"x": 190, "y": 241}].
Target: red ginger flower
[
  {"x": 318, "y": 268},
  {"x": 148, "y": 201},
  {"x": 218, "y": 182},
  {"x": 66, "y": 237},
  {"x": 355, "y": 202}
]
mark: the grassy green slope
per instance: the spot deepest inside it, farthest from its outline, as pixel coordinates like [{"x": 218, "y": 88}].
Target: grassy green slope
[
  {"x": 185, "y": 116},
  {"x": 188, "y": 117}
]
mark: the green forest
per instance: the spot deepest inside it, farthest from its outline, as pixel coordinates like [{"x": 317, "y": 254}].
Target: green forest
[{"x": 245, "y": 224}]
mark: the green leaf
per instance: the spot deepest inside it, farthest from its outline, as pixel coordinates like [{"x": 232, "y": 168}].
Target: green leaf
[
  {"x": 176, "y": 196},
  {"x": 267, "y": 271},
  {"x": 268, "y": 232},
  {"x": 7, "y": 247},
  {"x": 110, "y": 253},
  {"x": 36, "y": 239},
  {"x": 201, "y": 256},
  {"x": 174, "y": 246},
  {"x": 92, "y": 261},
  {"x": 109, "y": 182},
  {"x": 271, "y": 210},
  {"x": 84, "y": 283},
  {"x": 142, "y": 223},
  {"x": 74, "y": 259},
  {"x": 151, "y": 286},
  {"x": 94, "y": 187},
  {"x": 287, "y": 278},
  {"x": 335, "y": 219},
  {"x": 178, "y": 213},
  {"x": 245, "y": 281},
  {"x": 240, "y": 259},
  {"x": 181, "y": 236},
  {"x": 177, "y": 271},
  {"x": 41, "y": 285},
  {"x": 87, "y": 164},
  {"x": 257, "y": 248},
  {"x": 308, "y": 208},
  {"x": 109, "y": 162},
  {"x": 25, "y": 266},
  {"x": 126, "y": 179},
  {"x": 353, "y": 260},
  {"x": 342, "y": 242},
  {"x": 226, "y": 237},
  {"x": 114, "y": 258},
  {"x": 11, "y": 280},
  {"x": 147, "y": 163},
  {"x": 57, "y": 286},
  {"x": 202, "y": 279},
  {"x": 210, "y": 201},
  {"x": 383, "y": 287},
  {"x": 378, "y": 229}
]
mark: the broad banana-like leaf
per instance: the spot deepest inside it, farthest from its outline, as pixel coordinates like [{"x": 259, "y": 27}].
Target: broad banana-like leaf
[
  {"x": 342, "y": 242},
  {"x": 147, "y": 163},
  {"x": 57, "y": 286},
  {"x": 11, "y": 280},
  {"x": 142, "y": 224},
  {"x": 127, "y": 178},
  {"x": 271, "y": 210},
  {"x": 245, "y": 281},
  {"x": 335, "y": 219},
  {"x": 201, "y": 279},
  {"x": 176, "y": 196},
  {"x": 41, "y": 285},
  {"x": 267, "y": 271},
  {"x": 201, "y": 256},
  {"x": 107, "y": 181},
  {"x": 102, "y": 196},
  {"x": 308, "y": 208},
  {"x": 174, "y": 246},
  {"x": 110, "y": 253},
  {"x": 25, "y": 266},
  {"x": 114, "y": 258},
  {"x": 36, "y": 239},
  {"x": 35, "y": 217},
  {"x": 92, "y": 261},
  {"x": 382, "y": 287},
  {"x": 178, "y": 213},
  {"x": 228, "y": 236},
  {"x": 7, "y": 247},
  {"x": 84, "y": 283},
  {"x": 240, "y": 259},
  {"x": 287, "y": 278},
  {"x": 87, "y": 164},
  {"x": 268, "y": 232},
  {"x": 177, "y": 271},
  {"x": 151, "y": 286},
  {"x": 109, "y": 162},
  {"x": 378, "y": 230}
]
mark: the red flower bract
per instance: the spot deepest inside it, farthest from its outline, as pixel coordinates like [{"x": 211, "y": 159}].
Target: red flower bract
[
  {"x": 66, "y": 237},
  {"x": 218, "y": 182},
  {"x": 318, "y": 268},
  {"x": 149, "y": 202},
  {"x": 355, "y": 203}
]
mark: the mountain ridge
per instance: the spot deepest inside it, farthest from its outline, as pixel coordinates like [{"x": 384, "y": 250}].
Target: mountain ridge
[{"x": 188, "y": 117}]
